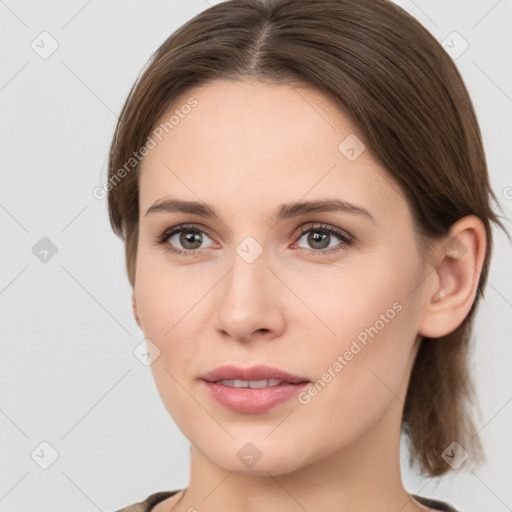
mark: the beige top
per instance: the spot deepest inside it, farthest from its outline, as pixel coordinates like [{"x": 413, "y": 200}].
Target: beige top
[{"x": 152, "y": 500}]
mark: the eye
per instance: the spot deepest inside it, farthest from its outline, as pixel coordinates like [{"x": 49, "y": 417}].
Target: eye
[
  {"x": 321, "y": 237},
  {"x": 188, "y": 239},
  {"x": 183, "y": 239}
]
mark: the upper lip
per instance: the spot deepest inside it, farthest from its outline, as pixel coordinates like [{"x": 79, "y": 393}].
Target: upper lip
[{"x": 258, "y": 372}]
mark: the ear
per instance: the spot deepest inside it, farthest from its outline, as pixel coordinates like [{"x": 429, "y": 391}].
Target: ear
[
  {"x": 455, "y": 278},
  {"x": 134, "y": 309}
]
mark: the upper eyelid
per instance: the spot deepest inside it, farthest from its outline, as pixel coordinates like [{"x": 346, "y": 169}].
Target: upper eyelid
[
  {"x": 323, "y": 226},
  {"x": 183, "y": 227}
]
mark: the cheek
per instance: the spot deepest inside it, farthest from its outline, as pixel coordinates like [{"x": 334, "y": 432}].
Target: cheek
[
  {"x": 166, "y": 294},
  {"x": 365, "y": 316},
  {"x": 167, "y": 305},
  {"x": 360, "y": 369},
  {"x": 171, "y": 302},
  {"x": 347, "y": 297}
]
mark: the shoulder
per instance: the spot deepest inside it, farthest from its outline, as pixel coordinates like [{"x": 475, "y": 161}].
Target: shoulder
[
  {"x": 435, "y": 504},
  {"x": 149, "y": 502}
]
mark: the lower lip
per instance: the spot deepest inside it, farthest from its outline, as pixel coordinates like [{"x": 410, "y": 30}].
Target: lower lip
[{"x": 253, "y": 400}]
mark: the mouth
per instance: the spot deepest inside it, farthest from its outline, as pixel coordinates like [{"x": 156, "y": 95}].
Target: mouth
[{"x": 252, "y": 390}]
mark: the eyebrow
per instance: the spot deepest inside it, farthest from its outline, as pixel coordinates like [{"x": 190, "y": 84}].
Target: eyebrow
[{"x": 284, "y": 211}]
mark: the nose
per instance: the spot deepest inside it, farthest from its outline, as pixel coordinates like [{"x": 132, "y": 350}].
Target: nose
[{"x": 250, "y": 301}]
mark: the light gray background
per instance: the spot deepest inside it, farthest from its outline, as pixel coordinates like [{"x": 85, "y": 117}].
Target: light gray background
[{"x": 69, "y": 376}]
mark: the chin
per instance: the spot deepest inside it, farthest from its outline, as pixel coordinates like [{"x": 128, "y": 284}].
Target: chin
[{"x": 259, "y": 457}]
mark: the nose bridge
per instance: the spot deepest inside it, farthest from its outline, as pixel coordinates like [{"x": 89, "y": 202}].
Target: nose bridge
[
  {"x": 248, "y": 301},
  {"x": 247, "y": 281}
]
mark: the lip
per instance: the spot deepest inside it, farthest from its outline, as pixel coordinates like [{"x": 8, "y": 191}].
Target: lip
[
  {"x": 258, "y": 372},
  {"x": 252, "y": 400}
]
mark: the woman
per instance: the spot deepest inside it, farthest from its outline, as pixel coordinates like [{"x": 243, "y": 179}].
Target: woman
[{"x": 304, "y": 199}]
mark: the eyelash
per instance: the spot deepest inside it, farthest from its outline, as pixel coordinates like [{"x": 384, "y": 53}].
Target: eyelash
[{"x": 346, "y": 240}]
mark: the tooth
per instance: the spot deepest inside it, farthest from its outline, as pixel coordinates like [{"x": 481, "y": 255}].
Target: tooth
[
  {"x": 256, "y": 384},
  {"x": 253, "y": 384},
  {"x": 226, "y": 382},
  {"x": 264, "y": 383}
]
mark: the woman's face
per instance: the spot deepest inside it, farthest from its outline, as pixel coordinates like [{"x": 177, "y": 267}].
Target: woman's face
[{"x": 263, "y": 281}]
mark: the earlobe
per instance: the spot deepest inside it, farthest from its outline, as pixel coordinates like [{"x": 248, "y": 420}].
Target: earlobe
[
  {"x": 134, "y": 309},
  {"x": 457, "y": 274}
]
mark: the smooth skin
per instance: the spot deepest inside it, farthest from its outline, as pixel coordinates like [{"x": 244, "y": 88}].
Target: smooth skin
[{"x": 246, "y": 148}]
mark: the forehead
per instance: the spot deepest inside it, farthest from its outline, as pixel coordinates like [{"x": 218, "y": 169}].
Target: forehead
[{"x": 258, "y": 143}]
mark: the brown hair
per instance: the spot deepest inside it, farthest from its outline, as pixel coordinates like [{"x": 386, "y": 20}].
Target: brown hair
[{"x": 404, "y": 92}]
